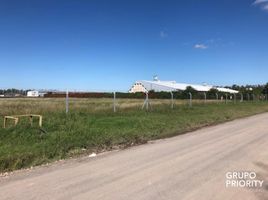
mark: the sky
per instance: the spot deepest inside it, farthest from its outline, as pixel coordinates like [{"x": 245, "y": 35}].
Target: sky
[{"x": 107, "y": 45}]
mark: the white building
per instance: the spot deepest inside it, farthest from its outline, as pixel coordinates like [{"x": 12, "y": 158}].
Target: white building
[
  {"x": 169, "y": 86},
  {"x": 33, "y": 93}
]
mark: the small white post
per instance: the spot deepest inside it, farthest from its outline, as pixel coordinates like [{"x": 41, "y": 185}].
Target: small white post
[
  {"x": 67, "y": 101},
  {"x": 217, "y": 97},
  {"x": 241, "y": 98},
  {"x": 205, "y": 96}
]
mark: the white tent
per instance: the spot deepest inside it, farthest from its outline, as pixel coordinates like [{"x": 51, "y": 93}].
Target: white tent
[{"x": 168, "y": 86}]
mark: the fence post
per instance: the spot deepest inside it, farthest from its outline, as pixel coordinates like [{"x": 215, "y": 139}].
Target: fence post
[
  {"x": 226, "y": 98},
  {"x": 146, "y": 102},
  {"x": 205, "y": 96},
  {"x": 190, "y": 100},
  {"x": 114, "y": 102},
  {"x": 253, "y": 97},
  {"x": 241, "y": 98},
  {"x": 234, "y": 98},
  {"x": 67, "y": 102},
  {"x": 217, "y": 97},
  {"x": 248, "y": 96},
  {"x": 172, "y": 100}
]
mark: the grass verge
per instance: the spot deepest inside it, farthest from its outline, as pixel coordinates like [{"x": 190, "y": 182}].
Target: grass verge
[{"x": 86, "y": 129}]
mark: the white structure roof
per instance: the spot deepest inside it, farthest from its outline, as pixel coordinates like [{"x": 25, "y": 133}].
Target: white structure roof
[
  {"x": 169, "y": 86},
  {"x": 32, "y": 93},
  {"x": 227, "y": 90}
]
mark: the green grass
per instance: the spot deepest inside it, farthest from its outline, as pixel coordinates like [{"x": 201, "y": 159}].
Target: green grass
[{"x": 92, "y": 126}]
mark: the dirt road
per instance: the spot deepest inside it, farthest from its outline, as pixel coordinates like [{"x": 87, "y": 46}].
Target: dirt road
[{"x": 190, "y": 166}]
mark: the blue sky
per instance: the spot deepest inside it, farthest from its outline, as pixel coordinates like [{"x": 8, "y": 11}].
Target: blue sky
[{"x": 107, "y": 45}]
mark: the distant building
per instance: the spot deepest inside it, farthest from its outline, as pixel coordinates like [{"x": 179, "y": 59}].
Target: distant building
[
  {"x": 169, "y": 86},
  {"x": 33, "y": 93},
  {"x": 138, "y": 87},
  {"x": 42, "y": 94},
  {"x": 11, "y": 95}
]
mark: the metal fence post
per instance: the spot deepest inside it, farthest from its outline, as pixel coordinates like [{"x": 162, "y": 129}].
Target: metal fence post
[
  {"x": 226, "y": 98},
  {"x": 241, "y": 98},
  {"x": 146, "y": 102},
  {"x": 234, "y": 98},
  {"x": 67, "y": 102},
  {"x": 190, "y": 100},
  {"x": 114, "y": 102},
  {"x": 217, "y": 96},
  {"x": 205, "y": 96},
  {"x": 172, "y": 100}
]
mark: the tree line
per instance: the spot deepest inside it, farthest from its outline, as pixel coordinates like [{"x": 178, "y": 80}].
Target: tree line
[
  {"x": 13, "y": 91},
  {"x": 248, "y": 91}
]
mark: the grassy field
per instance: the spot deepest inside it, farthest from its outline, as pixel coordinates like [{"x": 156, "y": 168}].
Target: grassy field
[{"x": 91, "y": 126}]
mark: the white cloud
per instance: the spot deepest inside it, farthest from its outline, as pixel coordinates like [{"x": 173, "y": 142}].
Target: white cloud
[
  {"x": 265, "y": 7},
  {"x": 200, "y": 46},
  {"x": 260, "y": 1},
  {"x": 163, "y": 34}
]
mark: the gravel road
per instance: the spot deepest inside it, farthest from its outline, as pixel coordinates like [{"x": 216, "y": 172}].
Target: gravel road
[{"x": 190, "y": 166}]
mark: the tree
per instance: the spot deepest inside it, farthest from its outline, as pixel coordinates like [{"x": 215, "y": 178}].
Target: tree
[
  {"x": 189, "y": 89},
  {"x": 265, "y": 89},
  {"x": 211, "y": 94}
]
